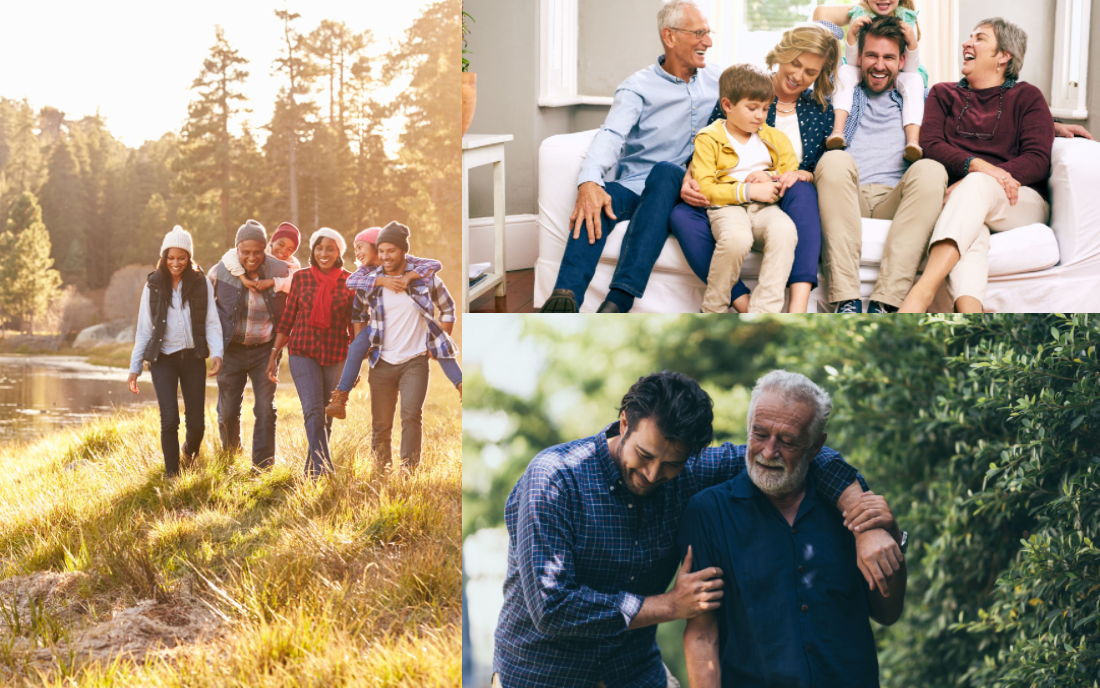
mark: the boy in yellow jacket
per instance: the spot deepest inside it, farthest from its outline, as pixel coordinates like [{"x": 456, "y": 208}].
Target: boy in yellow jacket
[{"x": 736, "y": 161}]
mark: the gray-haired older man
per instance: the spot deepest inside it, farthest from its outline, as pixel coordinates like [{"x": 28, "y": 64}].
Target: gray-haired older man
[
  {"x": 795, "y": 613},
  {"x": 647, "y": 138}
]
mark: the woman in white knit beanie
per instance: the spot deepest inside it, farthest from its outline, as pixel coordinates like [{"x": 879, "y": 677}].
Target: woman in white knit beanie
[{"x": 177, "y": 330}]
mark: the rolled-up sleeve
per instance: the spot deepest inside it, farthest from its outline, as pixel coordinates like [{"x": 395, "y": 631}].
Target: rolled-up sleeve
[
  {"x": 556, "y": 603},
  {"x": 604, "y": 152}
]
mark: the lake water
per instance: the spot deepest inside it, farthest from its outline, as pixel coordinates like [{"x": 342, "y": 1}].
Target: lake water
[{"x": 39, "y": 394}]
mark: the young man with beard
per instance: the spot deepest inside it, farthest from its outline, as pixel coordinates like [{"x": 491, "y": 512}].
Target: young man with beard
[
  {"x": 871, "y": 179},
  {"x": 795, "y": 612},
  {"x": 592, "y": 541}
]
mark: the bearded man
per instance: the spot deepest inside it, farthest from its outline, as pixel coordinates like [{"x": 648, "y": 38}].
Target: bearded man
[{"x": 795, "y": 611}]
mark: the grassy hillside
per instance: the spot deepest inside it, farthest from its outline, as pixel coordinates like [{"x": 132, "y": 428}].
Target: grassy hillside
[{"x": 112, "y": 575}]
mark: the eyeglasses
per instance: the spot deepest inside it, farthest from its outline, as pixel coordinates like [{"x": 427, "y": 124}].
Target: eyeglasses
[
  {"x": 971, "y": 135},
  {"x": 699, "y": 35}
]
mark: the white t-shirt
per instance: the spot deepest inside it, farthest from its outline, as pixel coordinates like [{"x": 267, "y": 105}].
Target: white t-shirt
[
  {"x": 406, "y": 333},
  {"x": 789, "y": 126},
  {"x": 751, "y": 156}
]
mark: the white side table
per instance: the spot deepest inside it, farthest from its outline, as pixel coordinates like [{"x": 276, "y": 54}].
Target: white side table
[{"x": 477, "y": 150}]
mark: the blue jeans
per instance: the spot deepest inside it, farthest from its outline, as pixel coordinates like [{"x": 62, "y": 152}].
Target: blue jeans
[
  {"x": 692, "y": 230},
  {"x": 357, "y": 353},
  {"x": 645, "y": 236},
  {"x": 315, "y": 383},
  {"x": 239, "y": 365},
  {"x": 183, "y": 372}
]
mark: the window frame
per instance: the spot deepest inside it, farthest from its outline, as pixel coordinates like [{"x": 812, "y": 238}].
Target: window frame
[
  {"x": 1070, "y": 99},
  {"x": 558, "y": 34}
]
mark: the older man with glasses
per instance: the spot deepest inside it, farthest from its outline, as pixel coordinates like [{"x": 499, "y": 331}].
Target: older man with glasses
[{"x": 647, "y": 139}]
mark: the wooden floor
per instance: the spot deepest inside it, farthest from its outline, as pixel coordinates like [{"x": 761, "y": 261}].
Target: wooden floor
[{"x": 519, "y": 297}]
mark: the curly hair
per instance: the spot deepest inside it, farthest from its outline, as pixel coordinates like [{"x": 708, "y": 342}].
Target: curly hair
[{"x": 677, "y": 405}]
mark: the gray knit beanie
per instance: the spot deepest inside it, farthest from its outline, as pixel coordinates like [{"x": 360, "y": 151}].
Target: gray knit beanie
[
  {"x": 252, "y": 230},
  {"x": 395, "y": 233}
]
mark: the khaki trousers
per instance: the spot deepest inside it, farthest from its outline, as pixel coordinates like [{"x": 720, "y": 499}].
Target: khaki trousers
[
  {"x": 672, "y": 682},
  {"x": 976, "y": 207},
  {"x": 737, "y": 229},
  {"x": 913, "y": 205}
]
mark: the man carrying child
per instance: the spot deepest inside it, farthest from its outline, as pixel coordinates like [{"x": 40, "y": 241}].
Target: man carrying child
[{"x": 736, "y": 163}]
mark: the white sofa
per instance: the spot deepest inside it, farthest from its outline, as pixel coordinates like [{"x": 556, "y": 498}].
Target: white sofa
[{"x": 1037, "y": 268}]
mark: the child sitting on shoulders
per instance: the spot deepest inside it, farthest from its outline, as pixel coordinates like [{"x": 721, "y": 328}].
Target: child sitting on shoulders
[
  {"x": 284, "y": 242},
  {"x": 736, "y": 162}
]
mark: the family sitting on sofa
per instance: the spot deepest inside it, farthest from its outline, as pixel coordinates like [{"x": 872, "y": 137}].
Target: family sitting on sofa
[{"x": 791, "y": 159}]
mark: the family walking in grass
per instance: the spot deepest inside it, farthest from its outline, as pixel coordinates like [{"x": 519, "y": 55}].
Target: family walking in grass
[{"x": 393, "y": 311}]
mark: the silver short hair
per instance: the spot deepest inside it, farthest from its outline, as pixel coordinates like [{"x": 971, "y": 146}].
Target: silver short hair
[
  {"x": 671, "y": 15},
  {"x": 1010, "y": 39},
  {"x": 795, "y": 387}
]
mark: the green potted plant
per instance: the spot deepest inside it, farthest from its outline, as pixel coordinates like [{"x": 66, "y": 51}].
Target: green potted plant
[{"x": 469, "y": 79}]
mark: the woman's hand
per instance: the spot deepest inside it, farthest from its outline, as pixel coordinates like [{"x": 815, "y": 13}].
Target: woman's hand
[
  {"x": 131, "y": 382},
  {"x": 215, "y": 366},
  {"x": 788, "y": 179},
  {"x": 691, "y": 194},
  {"x": 857, "y": 25},
  {"x": 1005, "y": 179},
  {"x": 273, "y": 366},
  {"x": 910, "y": 35}
]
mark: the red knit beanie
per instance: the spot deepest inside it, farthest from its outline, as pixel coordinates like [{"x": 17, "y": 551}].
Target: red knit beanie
[{"x": 287, "y": 231}]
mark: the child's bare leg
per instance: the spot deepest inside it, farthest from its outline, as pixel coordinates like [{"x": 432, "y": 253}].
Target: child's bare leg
[{"x": 800, "y": 297}]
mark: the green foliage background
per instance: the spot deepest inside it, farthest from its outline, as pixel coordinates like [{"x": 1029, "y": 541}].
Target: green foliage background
[{"x": 983, "y": 433}]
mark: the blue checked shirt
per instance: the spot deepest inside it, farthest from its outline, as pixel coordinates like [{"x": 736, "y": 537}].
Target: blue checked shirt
[
  {"x": 584, "y": 553},
  {"x": 428, "y": 293}
]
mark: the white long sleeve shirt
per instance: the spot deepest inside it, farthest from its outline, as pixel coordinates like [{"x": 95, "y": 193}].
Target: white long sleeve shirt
[{"x": 177, "y": 331}]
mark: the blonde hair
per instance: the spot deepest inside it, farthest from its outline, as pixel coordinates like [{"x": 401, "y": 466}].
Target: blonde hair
[
  {"x": 907, "y": 4},
  {"x": 810, "y": 39}
]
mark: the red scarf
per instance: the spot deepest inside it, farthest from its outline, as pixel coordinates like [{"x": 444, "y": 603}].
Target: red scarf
[{"x": 321, "y": 315}]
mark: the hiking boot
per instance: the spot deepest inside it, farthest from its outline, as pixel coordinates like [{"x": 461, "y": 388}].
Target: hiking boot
[{"x": 337, "y": 405}]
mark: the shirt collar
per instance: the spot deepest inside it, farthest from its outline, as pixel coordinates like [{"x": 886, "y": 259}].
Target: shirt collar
[
  {"x": 742, "y": 487},
  {"x": 963, "y": 83},
  {"x": 661, "y": 72},
  {"x": 610, "y": 470}
]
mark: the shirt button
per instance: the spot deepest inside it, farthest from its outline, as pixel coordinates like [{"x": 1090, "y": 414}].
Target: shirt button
[
  {"x": 809, "y": 649},
  {"x": 794, "y": 531},
  {"x": 629, "y": 506},
  {"x": 805, "y": 608},
  {"x": 801, "y": 569},
  {"x": 632, "y": 578}
]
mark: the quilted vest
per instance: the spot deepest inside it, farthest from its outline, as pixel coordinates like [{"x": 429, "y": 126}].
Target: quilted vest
[
  {"x": 231, "y": 295},
  {"x": 160, "y": 299}
]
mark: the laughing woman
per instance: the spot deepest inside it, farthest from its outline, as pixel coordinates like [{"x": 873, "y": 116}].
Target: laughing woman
[
  {"x": 316, "y": 328},
  {"x": 805, "y": 56},
  {"x": 177, "y": 329}
]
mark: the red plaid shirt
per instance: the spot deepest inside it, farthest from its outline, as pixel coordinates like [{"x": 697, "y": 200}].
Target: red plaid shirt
[{"x": 328, "y": 346}]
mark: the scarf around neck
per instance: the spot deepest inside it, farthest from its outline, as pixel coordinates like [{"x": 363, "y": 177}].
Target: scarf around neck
[{"x": 320, "y": 315}]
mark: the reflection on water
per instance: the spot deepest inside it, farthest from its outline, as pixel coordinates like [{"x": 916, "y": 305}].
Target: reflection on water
[{"x": 39, "y": 394}]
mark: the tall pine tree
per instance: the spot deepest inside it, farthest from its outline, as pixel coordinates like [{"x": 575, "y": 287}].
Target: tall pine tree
[{"x": 27, "y": 283}]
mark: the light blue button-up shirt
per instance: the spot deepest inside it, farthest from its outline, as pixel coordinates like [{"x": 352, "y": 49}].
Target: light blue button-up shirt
[
  {"x": 654, "y": 118},
  {"x": 177, "y": 330}
]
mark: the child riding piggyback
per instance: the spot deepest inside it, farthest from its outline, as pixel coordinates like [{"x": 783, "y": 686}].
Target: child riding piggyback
[{"x": 912, "y": 79}]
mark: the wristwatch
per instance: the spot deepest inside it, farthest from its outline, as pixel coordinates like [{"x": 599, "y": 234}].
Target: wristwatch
[{"x": 904, "y": 544}]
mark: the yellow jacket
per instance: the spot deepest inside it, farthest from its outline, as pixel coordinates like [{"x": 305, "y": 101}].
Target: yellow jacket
[{"x": 715, "y": 159}]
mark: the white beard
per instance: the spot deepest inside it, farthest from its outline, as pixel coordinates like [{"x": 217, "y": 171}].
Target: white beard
[{"x": 776, "y": 484}]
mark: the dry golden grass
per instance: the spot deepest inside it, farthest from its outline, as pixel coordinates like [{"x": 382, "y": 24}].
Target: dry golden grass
[{"x": 351, "y": 580}]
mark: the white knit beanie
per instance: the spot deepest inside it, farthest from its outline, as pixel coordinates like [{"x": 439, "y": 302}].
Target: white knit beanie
[
  {"x": 178, "y": 238},
  {"x": 331, "y": 234}
]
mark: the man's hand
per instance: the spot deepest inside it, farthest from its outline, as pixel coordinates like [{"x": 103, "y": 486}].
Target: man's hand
[
  {"x": 871, "y": 511},
  {"x": 1070, "y": 130},
  {"x": 766, "y": 192},
  {"x": 591, "y": 199},
  {"x": 691, "y": 194},
  {"x": 878, "y": 557},
  {"x": 215, "y": 366},
  {"x": 695, "y": 593}
]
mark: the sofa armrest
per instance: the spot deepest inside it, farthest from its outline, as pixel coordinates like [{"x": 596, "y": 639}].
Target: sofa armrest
[
  {"x": 1074, "y": 200},
  {"x": 560, "y": 159}
]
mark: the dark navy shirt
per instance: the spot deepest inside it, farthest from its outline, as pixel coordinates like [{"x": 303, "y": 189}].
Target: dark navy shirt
[
  {"x": 795, "y": 611},
  {"x": 584, "y": 553}
]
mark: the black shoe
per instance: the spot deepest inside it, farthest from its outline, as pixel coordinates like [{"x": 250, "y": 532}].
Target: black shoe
[
  {"x": 560, "y": 301},
  {"x": 879, "y": 307},
  {"x": 608, "y": 307},
  {"x": 852, "y": 306}
]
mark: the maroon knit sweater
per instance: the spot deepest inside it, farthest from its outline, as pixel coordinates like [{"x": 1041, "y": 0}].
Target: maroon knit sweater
[{"x": 1021, "y": 145}]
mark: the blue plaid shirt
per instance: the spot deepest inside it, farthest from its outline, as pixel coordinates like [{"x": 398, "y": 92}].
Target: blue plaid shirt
[
  {"x": 428, "y": 293},
  {"x": 584, "y": 553}
]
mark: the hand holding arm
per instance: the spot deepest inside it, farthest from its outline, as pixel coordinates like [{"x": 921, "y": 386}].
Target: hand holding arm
[
  {"x": 877, "y": 553},
  {"x": 693, "y": 594}
]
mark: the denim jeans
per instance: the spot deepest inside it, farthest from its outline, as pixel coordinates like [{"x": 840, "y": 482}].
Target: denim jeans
[
  {"x": 239, "y": 365},
  {"x": 645, "y": 236},
  {"x": 315, "y": 383},
  {"x": 357, "y": 353},
  {"x": 172, "y": 372},
  {"x": 388, "y": 381},
  {"x": 692, "y": 229}
]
